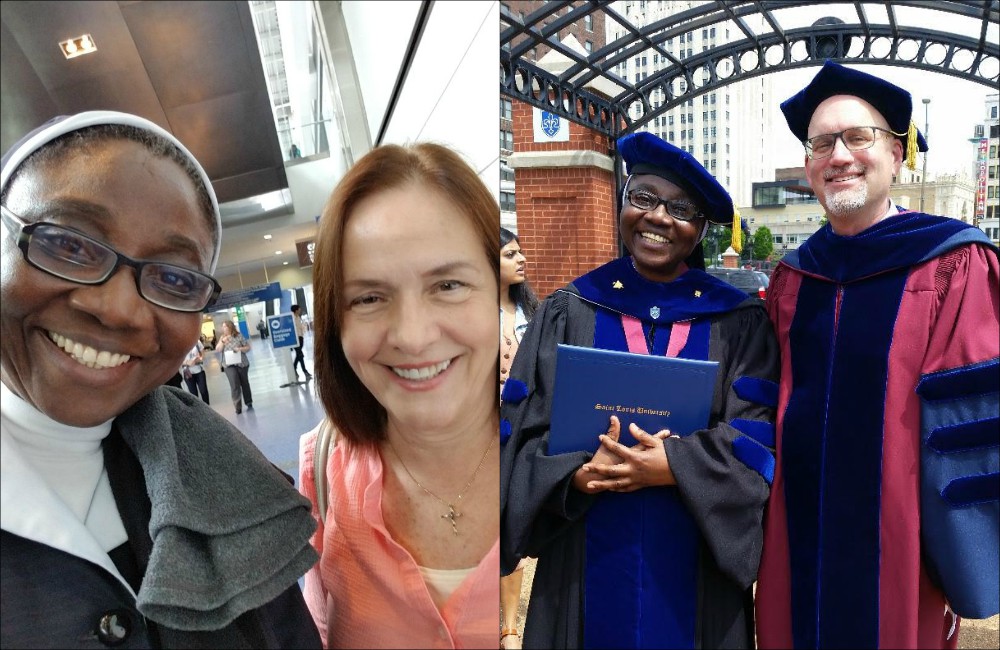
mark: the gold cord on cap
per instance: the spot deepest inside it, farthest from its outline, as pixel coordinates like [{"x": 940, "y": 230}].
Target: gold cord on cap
[
  {"x": 737, "y": 242},
  {"x": 911, "y": 146}
]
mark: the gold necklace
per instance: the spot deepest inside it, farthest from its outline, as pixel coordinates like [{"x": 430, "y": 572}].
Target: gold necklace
[{"x": 452, "y": 513}]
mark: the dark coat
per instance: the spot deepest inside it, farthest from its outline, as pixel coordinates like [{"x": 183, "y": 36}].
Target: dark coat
[{"x": 54, "y": 599}]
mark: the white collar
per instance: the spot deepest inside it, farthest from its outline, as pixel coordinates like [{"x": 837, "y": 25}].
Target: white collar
[{"x": 29, "y": 507}]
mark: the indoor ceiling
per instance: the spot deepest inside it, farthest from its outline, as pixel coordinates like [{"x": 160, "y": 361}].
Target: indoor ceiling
[{"x": 193, "y": 68}]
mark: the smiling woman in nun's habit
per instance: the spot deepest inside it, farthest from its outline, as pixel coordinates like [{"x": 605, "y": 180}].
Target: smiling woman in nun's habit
[
  {"x": 133, "y": 515},
  {"x": 697, "y": 499}
]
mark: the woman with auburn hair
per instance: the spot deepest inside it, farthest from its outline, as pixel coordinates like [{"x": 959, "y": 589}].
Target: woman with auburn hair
[{"x": 406, "y": 484}]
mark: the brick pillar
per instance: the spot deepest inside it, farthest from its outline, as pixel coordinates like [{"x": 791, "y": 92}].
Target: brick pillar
[
  {"x": 730, "y": 259},
  {"x": 567, "y": 217}
]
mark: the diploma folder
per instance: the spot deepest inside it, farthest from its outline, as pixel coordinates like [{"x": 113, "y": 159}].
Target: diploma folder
[{"x": 655, "y": 392}]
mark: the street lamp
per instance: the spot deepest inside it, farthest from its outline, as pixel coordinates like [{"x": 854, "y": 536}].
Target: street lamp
[{"x": 923, "y": 174}]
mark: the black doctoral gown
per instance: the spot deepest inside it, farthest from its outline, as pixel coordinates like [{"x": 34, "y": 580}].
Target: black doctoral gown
[{"x": 722, "y": 472}]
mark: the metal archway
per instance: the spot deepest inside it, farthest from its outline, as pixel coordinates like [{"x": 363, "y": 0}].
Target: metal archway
[{"x": 770, "y": 42}]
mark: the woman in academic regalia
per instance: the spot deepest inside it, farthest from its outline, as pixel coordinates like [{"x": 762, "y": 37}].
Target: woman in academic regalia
[{"x": 654, "y": 540}]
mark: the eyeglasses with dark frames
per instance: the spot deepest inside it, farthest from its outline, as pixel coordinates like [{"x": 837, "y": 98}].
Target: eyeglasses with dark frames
[
  {"x": 676, "y": 208},
  {"x": 71, "y": 255},
  {"x": 856, "y": 138}
]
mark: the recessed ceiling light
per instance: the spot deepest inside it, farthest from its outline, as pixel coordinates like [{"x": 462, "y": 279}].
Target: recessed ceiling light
[
  {"x": 78, "y": 46},
  {"x": 267, "y": 237},
  {"x": 284, "y": 263},
  {"x": 277, "y": 252}
]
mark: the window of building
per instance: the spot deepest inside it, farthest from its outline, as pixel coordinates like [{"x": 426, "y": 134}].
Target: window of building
[
  {"x": 993, "y": 171},
  {"x": 713, "y": 164},
  {"x": 690, "y": 51},
  {"x": 683, "y": 118},
  {"x": 690, "y": 36},
  {"x": 711, "y": 32},
  {"x": 670, "y": 136},
  {"x": 589, "y": 46},
  {"x": 588, "y": 22},
  {"x": 506, "y": 173},
  {"x": 704, "y": 132},
  {"x": 704, "y": 115},
  {"x": 704, "y": 149},
  {"x": 506, "y": 140},
  {"x": 778, "y": 239},
  {"x": 656, "y": 58},
  {"x": 506, "y": 109},
  {"x": 713, "y": 147},
  {"x": 684, "y": 135},
  {"x": 704, "y": 99},
  {"x": 691, "y": 133},
  {"x": 637, "y": 77},
  {"x": 993, "y": 112},
  {"x": 993, "y": 151},
  {"x": 713, "y": 132},
  {"x": 711, "y": 98},
  {"x": 670, "y": 120},
  {"x": 644, "y": 60},
  {"x": 507, "y": 203}
]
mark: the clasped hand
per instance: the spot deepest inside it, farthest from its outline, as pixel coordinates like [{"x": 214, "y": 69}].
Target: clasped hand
[{"x": 618, "y": 468}]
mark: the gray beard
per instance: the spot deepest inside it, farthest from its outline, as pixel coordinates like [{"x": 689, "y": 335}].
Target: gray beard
[{"x": 847, "y": 202}]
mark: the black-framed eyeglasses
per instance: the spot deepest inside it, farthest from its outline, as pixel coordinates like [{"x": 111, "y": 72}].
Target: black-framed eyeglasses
[
  {"x": 855, "y": 138},
  {"x": 71, "y": 255},
  {"x": 676, "y": 208}
]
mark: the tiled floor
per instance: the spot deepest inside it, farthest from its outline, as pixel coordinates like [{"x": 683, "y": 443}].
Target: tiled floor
[{"x": 279, "y": 415}]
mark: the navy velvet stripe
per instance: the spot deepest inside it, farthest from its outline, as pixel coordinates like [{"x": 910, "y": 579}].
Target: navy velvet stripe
[
  {"x": 970, "y": 490},
  {"x": 755, "y": 456},
  {"x": 762, "y": 432},
  {"x": 852, "y": 475},
  {"x": 641, "y": 567},
  {"x": 973, "y": 379},
  {"x": 757, "y": 390},
  {"x": 698, "y": 339},
  {"x": 811, "y": 337},
  {"x": 608, "y": 332},
  {"x": 965, "y": 436},
  {"x": 514, "y": 391}
]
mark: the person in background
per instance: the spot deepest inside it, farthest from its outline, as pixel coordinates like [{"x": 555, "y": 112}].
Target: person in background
[
  {"x": 193, "y": 371},
  {"x": 883, "y": 518},
  {"x": 676, "y": 521},
  {"x": 517, "y": 305},
  {"x": 130, "y": 512},
  {"x": 406, "y": 285},
  {"x": 237, "y": 372},
  {"x": 262, "y": 328},
  {"x": 300, "y": 332}
]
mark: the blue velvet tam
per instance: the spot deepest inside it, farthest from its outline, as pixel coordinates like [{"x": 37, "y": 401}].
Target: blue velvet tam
[
  {"x": 894, "y": 103},
  {"x": 645, "y": 153}
]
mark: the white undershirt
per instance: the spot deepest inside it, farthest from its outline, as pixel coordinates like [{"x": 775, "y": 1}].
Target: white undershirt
[
  {"x": 70, "y": 461},
  {"x": 443, "y": 582}
]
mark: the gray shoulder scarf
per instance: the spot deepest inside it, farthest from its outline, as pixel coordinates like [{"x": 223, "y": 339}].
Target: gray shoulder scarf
[{"x": 229, "y": 532}]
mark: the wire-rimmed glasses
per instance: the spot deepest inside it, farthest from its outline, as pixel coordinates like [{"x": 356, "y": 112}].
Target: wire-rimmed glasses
[{"x": 855, "y": 138}]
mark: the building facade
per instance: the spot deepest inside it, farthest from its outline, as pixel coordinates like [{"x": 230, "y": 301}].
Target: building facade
[
  {"x": 725, "y": 129},
  {"x": 986, "y": 138}
]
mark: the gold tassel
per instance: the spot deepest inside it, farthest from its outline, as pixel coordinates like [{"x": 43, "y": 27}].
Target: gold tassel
[
  {"x": 737, "y": 243},
  {"x": 911, "y": 146}
]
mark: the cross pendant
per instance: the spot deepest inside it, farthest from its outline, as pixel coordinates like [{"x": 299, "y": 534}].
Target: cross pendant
[{"x": 451, "y": 517}]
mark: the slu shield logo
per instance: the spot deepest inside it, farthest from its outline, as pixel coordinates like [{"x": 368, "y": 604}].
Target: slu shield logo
[
  {"x": 550, "y": 123},
  {"x": 654, "y": 312}
]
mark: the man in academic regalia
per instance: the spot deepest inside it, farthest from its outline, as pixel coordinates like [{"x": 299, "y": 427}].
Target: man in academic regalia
[
  {"x": 654, "y": 543},
  {"x": 881, "y": 528}
]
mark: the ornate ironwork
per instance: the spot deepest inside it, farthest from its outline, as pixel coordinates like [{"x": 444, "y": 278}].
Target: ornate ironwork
[{"x": 770, "y": 49}]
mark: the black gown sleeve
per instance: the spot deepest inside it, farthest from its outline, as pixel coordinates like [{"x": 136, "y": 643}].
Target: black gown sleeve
[
  {"x": 537, "y": 499},
  {"x": 726, "y": 496}
]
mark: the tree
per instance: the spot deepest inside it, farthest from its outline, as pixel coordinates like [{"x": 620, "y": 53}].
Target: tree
[{"x": 763, "y": 243}]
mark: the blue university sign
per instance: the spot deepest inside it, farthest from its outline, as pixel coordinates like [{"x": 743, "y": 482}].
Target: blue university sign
[{"x": 549, "y": 127}]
